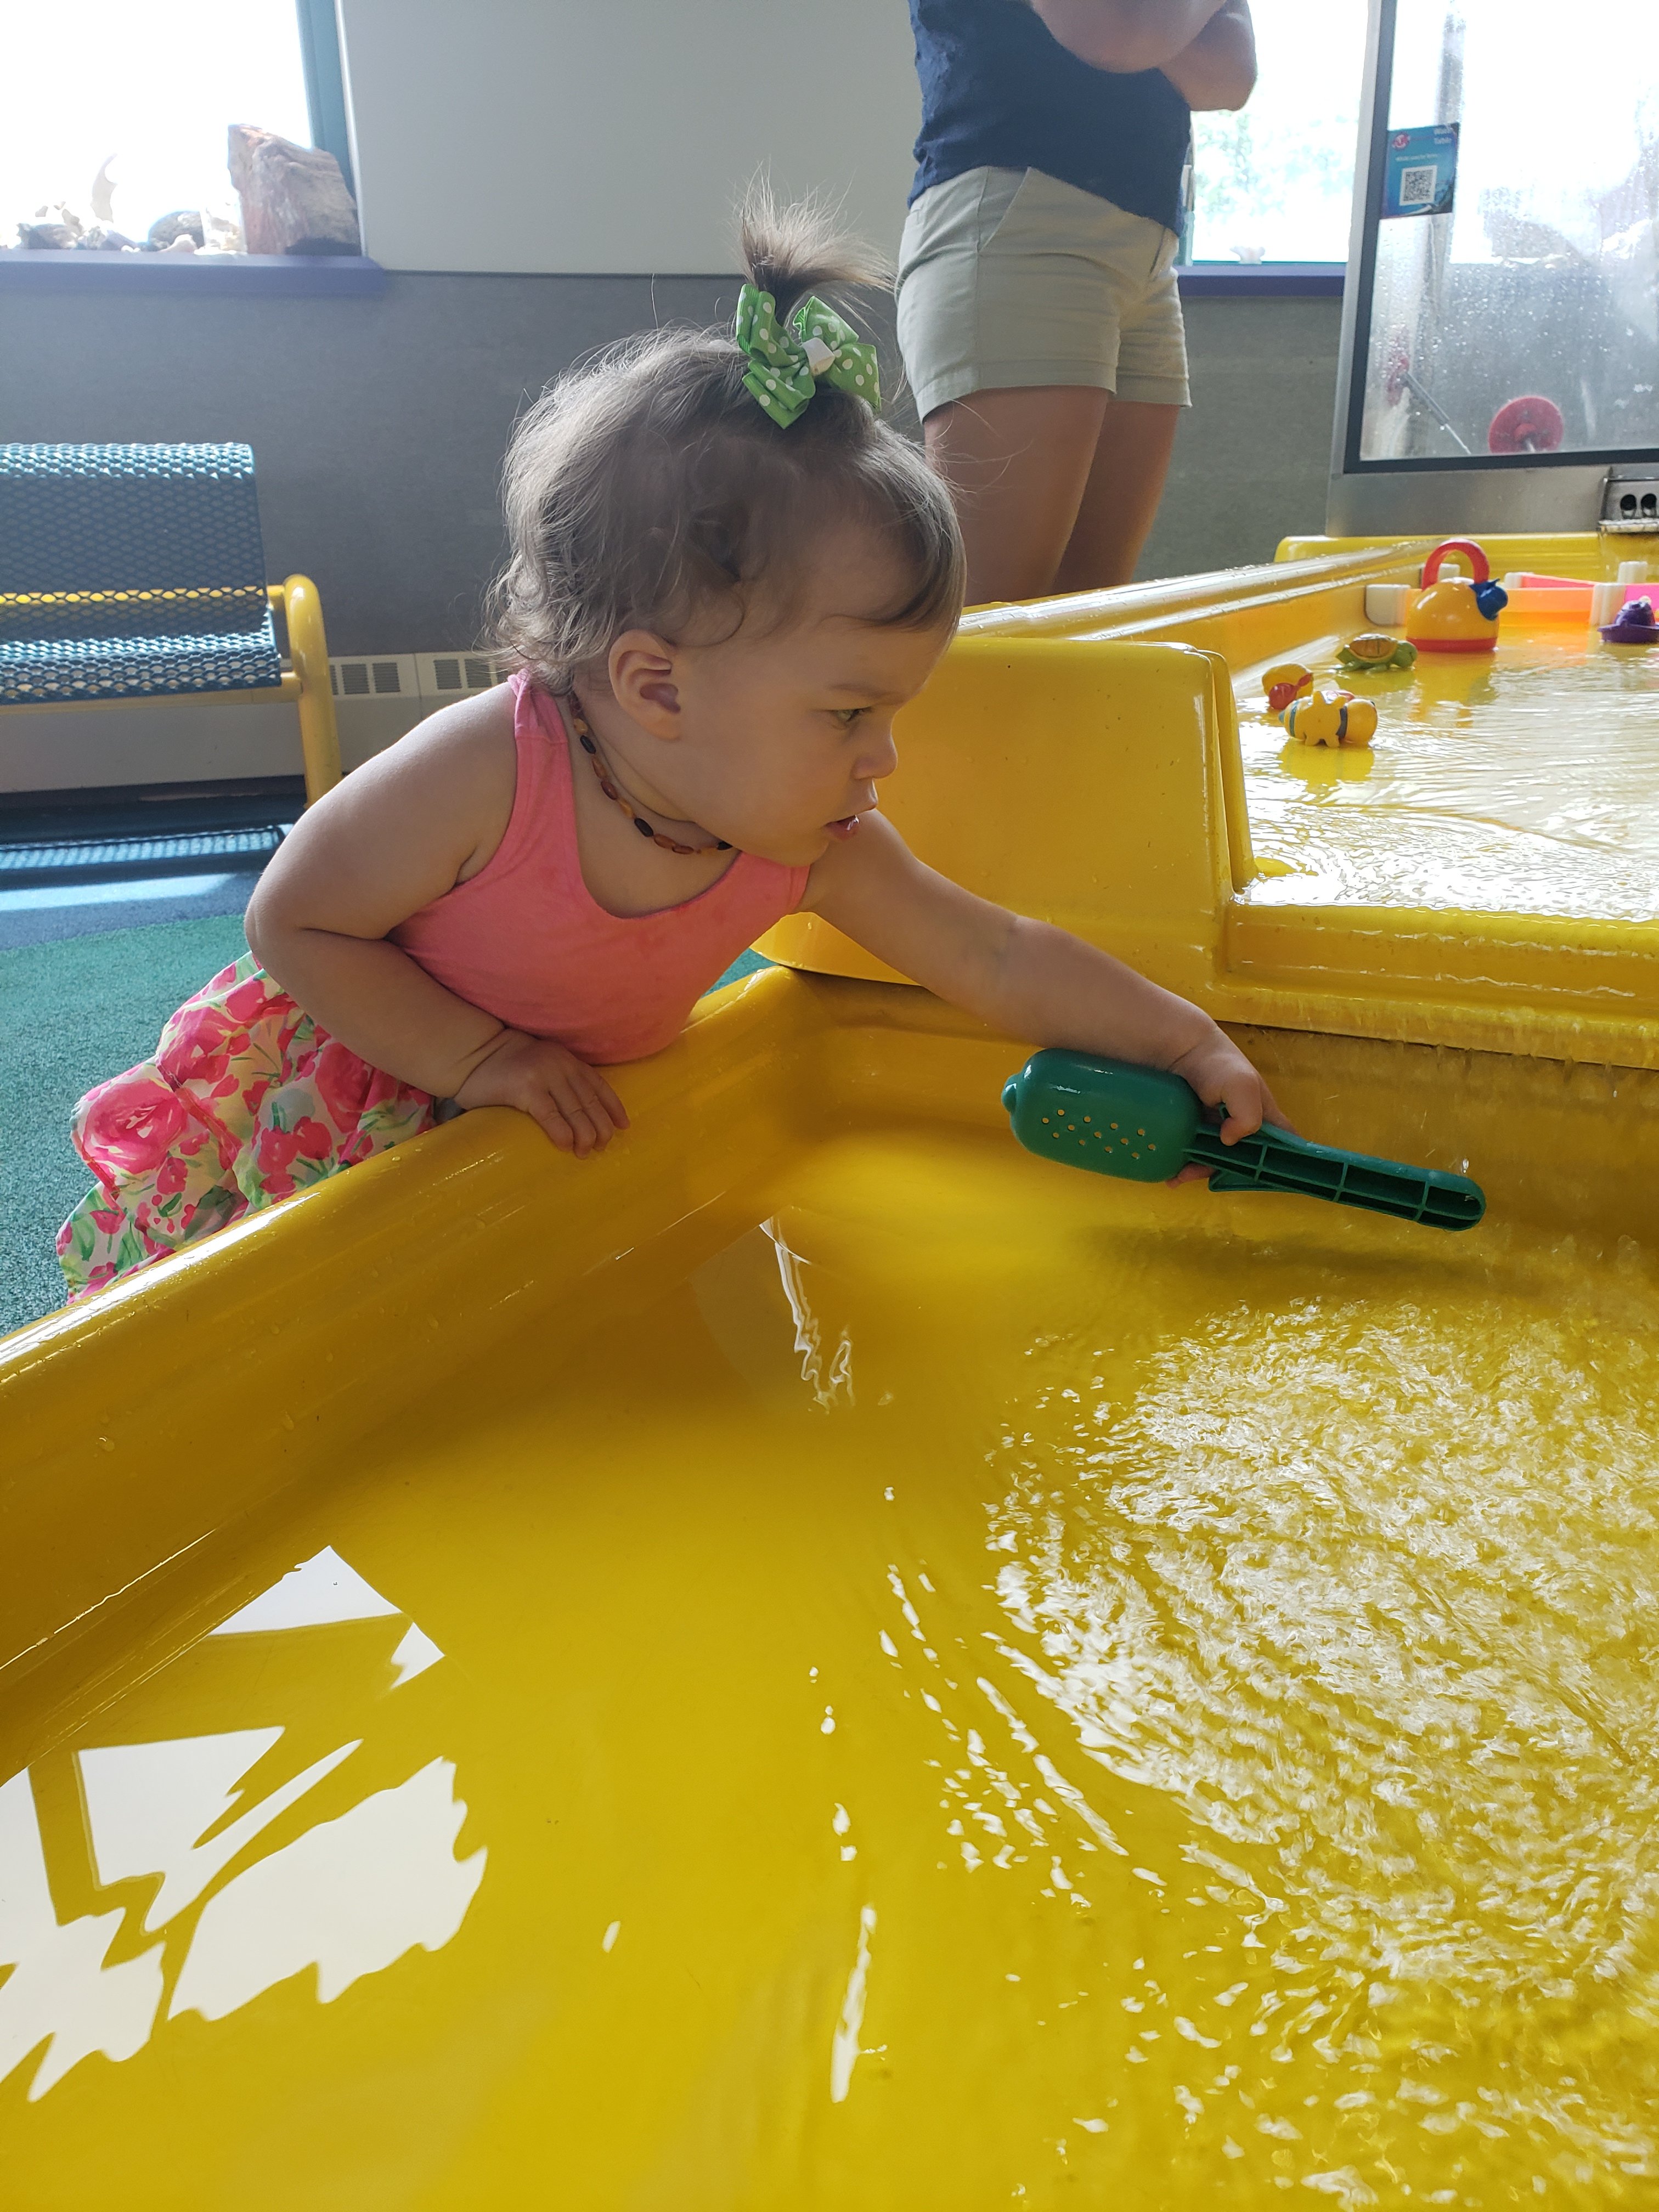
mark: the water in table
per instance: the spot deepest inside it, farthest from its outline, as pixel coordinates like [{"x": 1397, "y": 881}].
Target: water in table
[
  {"x": 1524, "y": 783},
  {"x": 1126, "y": 1695}
]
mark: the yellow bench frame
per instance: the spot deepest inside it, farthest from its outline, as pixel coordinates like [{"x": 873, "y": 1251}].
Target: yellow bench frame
[{"x": 305, "y": 683}]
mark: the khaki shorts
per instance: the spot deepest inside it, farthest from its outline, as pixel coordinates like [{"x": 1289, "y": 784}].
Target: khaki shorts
[{"x": 1007, "y": 277}]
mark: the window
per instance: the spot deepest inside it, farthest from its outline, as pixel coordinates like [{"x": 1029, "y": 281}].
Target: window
[
  {"x": 1509, "y": 307},
  {"x": 1275, "y": 182},
  {"x": 126, "y": 125}
]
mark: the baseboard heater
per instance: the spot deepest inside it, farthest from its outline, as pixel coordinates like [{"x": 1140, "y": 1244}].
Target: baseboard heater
[{"x": 377, "y": 698}]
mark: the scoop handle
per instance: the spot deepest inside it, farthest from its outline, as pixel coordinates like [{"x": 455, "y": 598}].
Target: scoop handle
[{"x": 1277, "y": 1160}]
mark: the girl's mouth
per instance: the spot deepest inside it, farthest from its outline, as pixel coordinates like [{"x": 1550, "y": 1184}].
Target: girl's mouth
[{"x": 846, "y": 828}]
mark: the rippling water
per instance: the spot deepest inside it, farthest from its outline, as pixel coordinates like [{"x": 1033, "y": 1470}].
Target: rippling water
[
  {"x": 1322, "y": 1586},
  {"x": 1528, "y": 783},
  {"x": 1371, "y": 1592},
  {"x": 1003, "y": 1688}
]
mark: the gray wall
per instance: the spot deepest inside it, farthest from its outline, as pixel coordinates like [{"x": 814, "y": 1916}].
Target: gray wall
[
  {"x": 377, "y": 425},
  {"x": 1253, "y": 455}
]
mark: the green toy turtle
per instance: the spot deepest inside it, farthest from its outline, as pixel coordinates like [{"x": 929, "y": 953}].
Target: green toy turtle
[{"x": 1372, "y": 650}]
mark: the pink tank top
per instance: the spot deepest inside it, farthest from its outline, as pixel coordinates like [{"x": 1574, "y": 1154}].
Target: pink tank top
[{"x": 525, "y": 939}]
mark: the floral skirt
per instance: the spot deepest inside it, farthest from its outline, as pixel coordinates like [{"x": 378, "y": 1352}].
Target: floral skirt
[{"x": 246, "y": 1101}]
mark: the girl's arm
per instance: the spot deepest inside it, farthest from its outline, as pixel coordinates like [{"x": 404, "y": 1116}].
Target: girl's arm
[
  {"x": 1217, "y": 70},
  {"x": 401, "y": 830},
  {"x": 1124, "y": 36},
  {"x": 1026, "y": 978}
]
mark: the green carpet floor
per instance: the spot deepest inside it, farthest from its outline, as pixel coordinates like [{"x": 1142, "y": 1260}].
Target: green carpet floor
[{"x": 73, "y": 1014}]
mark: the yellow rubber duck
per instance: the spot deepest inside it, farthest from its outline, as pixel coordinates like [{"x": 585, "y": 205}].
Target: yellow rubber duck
[{"x": 1323, "y": 718}]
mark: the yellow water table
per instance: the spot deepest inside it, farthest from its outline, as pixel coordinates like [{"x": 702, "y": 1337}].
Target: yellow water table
[{"x": 818, "y": 1662}]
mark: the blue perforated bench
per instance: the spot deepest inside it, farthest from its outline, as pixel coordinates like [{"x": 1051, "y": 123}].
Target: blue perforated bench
[{"x": 138, "y": 572}]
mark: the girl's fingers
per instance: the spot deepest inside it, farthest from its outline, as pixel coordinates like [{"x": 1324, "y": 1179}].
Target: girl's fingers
[
  {"x": 580, "y": 1096},
  {"x": 587, "y": 1136},
  {"x": 1263, "y": 1107},
  {"x": 608, "y": 1099},
  {"x": 574, "y": 1108},
  {"x": 593, "y": 1110},
  {"x": 1247, "y": 1104},
  {"x": 1249, "y": 1107},
  {"x": 548, "y": 1118},
  {"x": 590, "y": 1130},
  {"x": 601, "y": 1102},
  {"x": 1237, "y": 1118}
]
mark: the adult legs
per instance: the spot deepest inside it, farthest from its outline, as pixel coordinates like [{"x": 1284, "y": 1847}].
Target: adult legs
[
  {"x": 1057, "y": 485},
  {"x": 1120, "y": 500},
  {"x": 1019, "y": 462}
]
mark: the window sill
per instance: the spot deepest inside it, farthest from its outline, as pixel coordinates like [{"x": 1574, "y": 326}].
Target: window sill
[
  {"x": 1258, "y": 280},
  {"x": 199, "y": 276}
]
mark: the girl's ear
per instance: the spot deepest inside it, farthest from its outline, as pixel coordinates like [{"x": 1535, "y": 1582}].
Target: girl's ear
[{"x": 643, "y": 669}]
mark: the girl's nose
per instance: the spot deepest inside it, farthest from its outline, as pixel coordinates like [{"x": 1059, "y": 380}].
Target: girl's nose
[{"x": 878, "y": 759}]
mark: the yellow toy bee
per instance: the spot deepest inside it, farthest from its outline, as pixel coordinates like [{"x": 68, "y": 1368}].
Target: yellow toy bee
[
  {"x": 1322, "y": 718},
  {"x": 1286, "y": 681}
]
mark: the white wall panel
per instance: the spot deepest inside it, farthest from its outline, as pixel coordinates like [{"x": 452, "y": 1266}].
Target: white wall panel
[{"x": 616, "y": 136}]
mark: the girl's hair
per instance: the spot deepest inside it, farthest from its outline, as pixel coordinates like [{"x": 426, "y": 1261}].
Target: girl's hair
[{"x": 647, "y": 487}]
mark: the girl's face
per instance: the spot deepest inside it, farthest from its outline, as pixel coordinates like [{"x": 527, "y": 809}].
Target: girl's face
[{"x": 776, "y": 737}]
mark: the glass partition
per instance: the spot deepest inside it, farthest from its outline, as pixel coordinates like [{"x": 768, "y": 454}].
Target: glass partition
[{"x": 1509, "y": 286}]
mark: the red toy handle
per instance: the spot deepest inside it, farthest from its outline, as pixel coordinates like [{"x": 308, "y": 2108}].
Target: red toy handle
[
  {"x": 1471, "y": 552},
  {"x": 1531, "y": 424}
]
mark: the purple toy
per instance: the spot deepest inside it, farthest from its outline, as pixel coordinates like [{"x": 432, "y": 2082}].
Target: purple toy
[{"x": 1633, "y": 625}]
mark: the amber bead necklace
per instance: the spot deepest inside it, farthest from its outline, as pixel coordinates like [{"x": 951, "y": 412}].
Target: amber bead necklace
[{"x": 612, "y": 791}]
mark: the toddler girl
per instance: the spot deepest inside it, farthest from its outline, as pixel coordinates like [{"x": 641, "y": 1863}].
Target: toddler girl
[{"x": 727, "y": 575}]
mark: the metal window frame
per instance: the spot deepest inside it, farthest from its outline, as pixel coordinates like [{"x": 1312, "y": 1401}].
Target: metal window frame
[
  {"x": 1486, "y": 491},
  {"x": 324, "y": 76}
]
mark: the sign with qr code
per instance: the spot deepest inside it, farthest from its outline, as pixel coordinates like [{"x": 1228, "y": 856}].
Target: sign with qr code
[{"x": 1421, "y": 174}]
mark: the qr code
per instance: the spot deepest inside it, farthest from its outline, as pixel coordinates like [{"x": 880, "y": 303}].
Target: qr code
[{"x": 1417, "y": 185}]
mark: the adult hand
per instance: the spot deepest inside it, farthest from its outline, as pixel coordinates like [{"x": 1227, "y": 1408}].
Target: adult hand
[
  {"x": 571, "y": 1101},
  {"x": 1218, "y": 70},
  {"x": 1126, "y": 36}
]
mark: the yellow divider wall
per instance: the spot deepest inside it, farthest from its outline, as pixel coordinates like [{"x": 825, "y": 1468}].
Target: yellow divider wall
[
  {"x": 1085, "y": 788},
  {"x": 1077, "y": 760}
]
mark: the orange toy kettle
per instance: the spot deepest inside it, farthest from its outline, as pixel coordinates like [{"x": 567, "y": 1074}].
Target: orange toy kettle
[{"x": 1456, "y": 613}]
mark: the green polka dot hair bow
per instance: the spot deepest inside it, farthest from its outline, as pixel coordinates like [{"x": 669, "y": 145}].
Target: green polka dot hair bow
[{"x": 787, "y": 359}]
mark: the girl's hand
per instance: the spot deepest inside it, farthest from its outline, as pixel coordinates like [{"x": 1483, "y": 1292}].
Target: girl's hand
[
  {"x": 571, "y": 1101},
  {"x": 1219, "y": 1072},
  {"x": 1028, "y": 979}
]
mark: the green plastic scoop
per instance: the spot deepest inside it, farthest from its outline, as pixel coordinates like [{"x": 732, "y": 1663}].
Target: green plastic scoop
[{"x": 1143, "y": 1124}]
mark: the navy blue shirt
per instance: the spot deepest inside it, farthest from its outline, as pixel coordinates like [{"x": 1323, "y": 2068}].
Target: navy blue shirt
[{"x": 1000, "y": 91}]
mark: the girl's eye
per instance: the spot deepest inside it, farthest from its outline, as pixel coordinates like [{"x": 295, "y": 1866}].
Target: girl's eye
[{"x": 849, "y": 717}]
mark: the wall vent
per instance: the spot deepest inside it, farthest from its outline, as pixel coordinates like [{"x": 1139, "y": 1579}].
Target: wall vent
[
  {"x": 432, "y": 675},
  {"x": 378, "y": 698},
  {"x": 376, "y": 676},
  {"x": 451, "y": 675}
]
